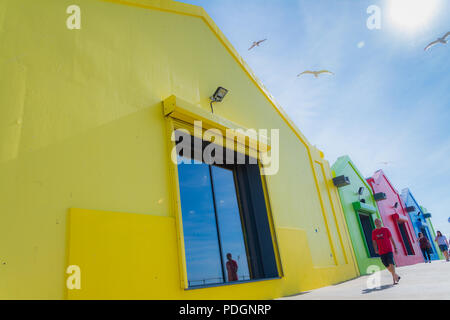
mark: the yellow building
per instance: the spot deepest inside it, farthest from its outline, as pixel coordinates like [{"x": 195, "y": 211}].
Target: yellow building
[{"x": 90, "y": 200}]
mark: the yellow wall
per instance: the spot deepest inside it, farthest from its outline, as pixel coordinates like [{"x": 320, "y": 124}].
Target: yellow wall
[{"x": 81, "y": 126}]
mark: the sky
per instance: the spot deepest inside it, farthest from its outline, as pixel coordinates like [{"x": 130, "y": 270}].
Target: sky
[{"x": 388, "y": 104}]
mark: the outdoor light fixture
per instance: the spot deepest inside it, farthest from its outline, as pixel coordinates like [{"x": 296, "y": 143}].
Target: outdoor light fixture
[
  {"x": 396, "y": 205},
  {"x": 411, "y": 209},
  {"x": 218, "y": 96},
  {"x": 379, "y": 196},
  {"x": 341, "y": 181},
  {"x": 360, "y": 193}
]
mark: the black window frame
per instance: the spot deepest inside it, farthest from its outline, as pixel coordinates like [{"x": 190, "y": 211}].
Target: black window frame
[{"x": 404, "y": 236}]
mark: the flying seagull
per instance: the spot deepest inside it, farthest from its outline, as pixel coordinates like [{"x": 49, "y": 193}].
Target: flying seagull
[
  {"x": 315, "y": 73},
  {"x": 442, "y": 40},
  {"x": 256, "y": 44}
]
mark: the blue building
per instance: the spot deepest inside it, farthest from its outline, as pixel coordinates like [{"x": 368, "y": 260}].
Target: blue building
[{"x": 419, "y": 220}]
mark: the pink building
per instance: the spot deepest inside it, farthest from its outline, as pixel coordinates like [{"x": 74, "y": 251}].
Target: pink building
[{"x": 395, "y": 217}]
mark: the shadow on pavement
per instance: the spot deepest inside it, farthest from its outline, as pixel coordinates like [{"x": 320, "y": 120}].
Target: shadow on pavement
[
  {"x": 386, "y": 286},
  {"x": 297, "y": 294},
  {"x": 345, "y": 281}
]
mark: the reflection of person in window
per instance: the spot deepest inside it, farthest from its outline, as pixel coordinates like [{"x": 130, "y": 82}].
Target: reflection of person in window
[{"x": 232, "y": 268}]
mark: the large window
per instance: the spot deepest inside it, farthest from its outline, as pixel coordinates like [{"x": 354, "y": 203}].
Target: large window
[
  {"x": 225, "y": 222},
  {"x": 367, "y": 228}
]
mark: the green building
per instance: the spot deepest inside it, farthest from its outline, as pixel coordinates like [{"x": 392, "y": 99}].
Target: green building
[{"x": 360, "y": 211}]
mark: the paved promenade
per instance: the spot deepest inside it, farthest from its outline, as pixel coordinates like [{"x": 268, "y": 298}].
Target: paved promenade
[{"x": 421, "y": 281}]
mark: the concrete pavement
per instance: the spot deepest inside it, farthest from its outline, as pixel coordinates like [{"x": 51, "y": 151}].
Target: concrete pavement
[{"x": 422, "y": 281}]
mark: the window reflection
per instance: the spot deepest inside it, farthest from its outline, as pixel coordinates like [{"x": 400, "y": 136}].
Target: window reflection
[
  {"x": 226, "y": 228},
  {"x": 234, "y": 253},
  {"x": 199, "y": 225},
  {"x": 214, "y": 237}
]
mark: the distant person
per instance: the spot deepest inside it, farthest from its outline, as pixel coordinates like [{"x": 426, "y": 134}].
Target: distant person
[
  {"x": 232, "y": 268},
  {"x": 383, "y": 243},
  {"x": 443, "y": 244},
  {"x": 425, "y": 246}
]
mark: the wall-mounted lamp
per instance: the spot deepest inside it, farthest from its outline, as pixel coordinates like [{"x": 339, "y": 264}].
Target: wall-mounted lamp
[
  {"x": 341, "y": 181},
  {"x": 360, "y": 193},
  {"x": 218, "y": 96},
  {"x": 379, "y": 196},
  {"x": 411, "y": 209},
  {"x": 396, "y": 205}
]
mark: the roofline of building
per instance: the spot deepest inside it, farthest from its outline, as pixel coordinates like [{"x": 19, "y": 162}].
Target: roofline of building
[
  {"x": 342, "y": 162},
  {"x": 198, "y": 12}
]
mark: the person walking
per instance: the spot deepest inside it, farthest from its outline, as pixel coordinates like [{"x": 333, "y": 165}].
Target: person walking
[
  {"x": 232, "y": 268},
  {"x": 383, "y": 243},
  {"x": 425, "y": 247},
  {"x": 443, "y": 244}
]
